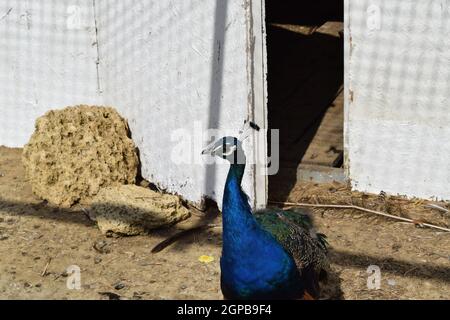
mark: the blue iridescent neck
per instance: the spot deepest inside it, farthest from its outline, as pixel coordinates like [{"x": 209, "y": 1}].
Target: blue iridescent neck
[
  {"x": 236, "y": 172},
  {"x": 237, "y": 218},
  {"x": 234, "y": 197}
]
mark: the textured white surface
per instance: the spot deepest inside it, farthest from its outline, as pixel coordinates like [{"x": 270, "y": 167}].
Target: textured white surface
[
  {"x": 398, "y": 96},
  {"x": 165, "y": 65},
  {"x": 169, "y": 65},
  {"x": 47, "y": 61}
]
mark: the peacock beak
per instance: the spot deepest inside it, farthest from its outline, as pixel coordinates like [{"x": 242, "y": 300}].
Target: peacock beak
[
  {"x": 206, "y": 151},
  {"x": 211, "y": 148}
]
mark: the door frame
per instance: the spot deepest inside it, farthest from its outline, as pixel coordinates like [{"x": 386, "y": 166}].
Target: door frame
[{"x": 257, "y": 75}]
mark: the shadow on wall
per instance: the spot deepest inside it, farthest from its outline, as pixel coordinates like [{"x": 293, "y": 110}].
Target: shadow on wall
[
  {"x": 216, "y": 82},
  {"x": 305, "y": 74}
]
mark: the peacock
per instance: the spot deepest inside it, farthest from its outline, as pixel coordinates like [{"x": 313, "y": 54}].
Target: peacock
[{"x": 268, "y": 254}]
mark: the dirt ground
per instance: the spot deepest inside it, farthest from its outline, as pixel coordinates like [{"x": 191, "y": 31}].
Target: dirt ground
[{"x": 39, "y": 242}]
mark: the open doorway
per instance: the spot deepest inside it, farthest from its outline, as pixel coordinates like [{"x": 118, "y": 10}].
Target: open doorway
[{"x": 305, "y": 58}]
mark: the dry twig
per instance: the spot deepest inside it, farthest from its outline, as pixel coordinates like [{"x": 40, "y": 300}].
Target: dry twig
[
  {"x": 44, "y": 272},
  {"x": 435, "y": 206},
  {"x": 349, "y": 206}
]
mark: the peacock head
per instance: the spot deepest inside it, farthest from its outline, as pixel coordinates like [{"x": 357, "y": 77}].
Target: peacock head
[{"x": 230, "y": 148}]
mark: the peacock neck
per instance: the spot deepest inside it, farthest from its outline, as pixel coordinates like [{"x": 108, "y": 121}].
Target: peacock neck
[
  {"x": 237, "y": 218},
  {"x": 235, "y": 173}
]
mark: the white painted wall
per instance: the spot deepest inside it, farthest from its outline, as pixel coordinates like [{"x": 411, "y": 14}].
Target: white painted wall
[
  {"x": 165, "y": 65},
  {"x": 169, "y": 65},
  {"x": 398, "y": 96},
  {"x": 176, "y": 65},
  {"x": 47, "y": 60}
]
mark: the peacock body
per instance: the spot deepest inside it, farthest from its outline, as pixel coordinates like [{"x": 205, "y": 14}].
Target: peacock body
[{"x": 269, "y": 254}]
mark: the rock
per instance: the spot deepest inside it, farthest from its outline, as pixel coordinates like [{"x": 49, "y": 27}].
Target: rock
[
  {"x": 137, "y": 296},
  {"x": 110, "y": 295},
  {"x": 132, "y": 210},
  {"x": 76, "y": 151},
  {"x": 144, "y": 183},
  {"x": 97, "y": 260},
  {"x": 119, "y": 286},
  {"x": 102, "y": 246}
]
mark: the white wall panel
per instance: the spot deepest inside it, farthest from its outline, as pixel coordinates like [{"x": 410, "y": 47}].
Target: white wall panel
[
  {"x": 171, "y": 65},
  {"x": 47, "y": 60},
  {"x": 398, "y": 96}
]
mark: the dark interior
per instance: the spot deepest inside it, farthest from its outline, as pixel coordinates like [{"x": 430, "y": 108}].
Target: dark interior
[{"x": 305, "y": 82}]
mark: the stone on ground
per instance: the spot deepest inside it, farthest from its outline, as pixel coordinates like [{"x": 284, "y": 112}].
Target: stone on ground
[
  {"x": 76, "y": 151},
  {"x": 132, "y": 210}
]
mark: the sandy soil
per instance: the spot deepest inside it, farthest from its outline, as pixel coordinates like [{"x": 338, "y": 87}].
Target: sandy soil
[{"x": 38, "y": 242}]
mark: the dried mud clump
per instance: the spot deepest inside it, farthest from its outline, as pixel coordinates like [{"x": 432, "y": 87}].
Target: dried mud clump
[
  {"x": 132, "y": 210},
  {"x": 76, "y": 151}
]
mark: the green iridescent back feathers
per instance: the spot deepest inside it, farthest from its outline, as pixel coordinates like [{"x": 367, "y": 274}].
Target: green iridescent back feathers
[{"x": 294, "y": 230}]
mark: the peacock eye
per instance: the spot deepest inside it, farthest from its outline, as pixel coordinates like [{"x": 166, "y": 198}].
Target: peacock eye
[{"x": 228, "y": 150}]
